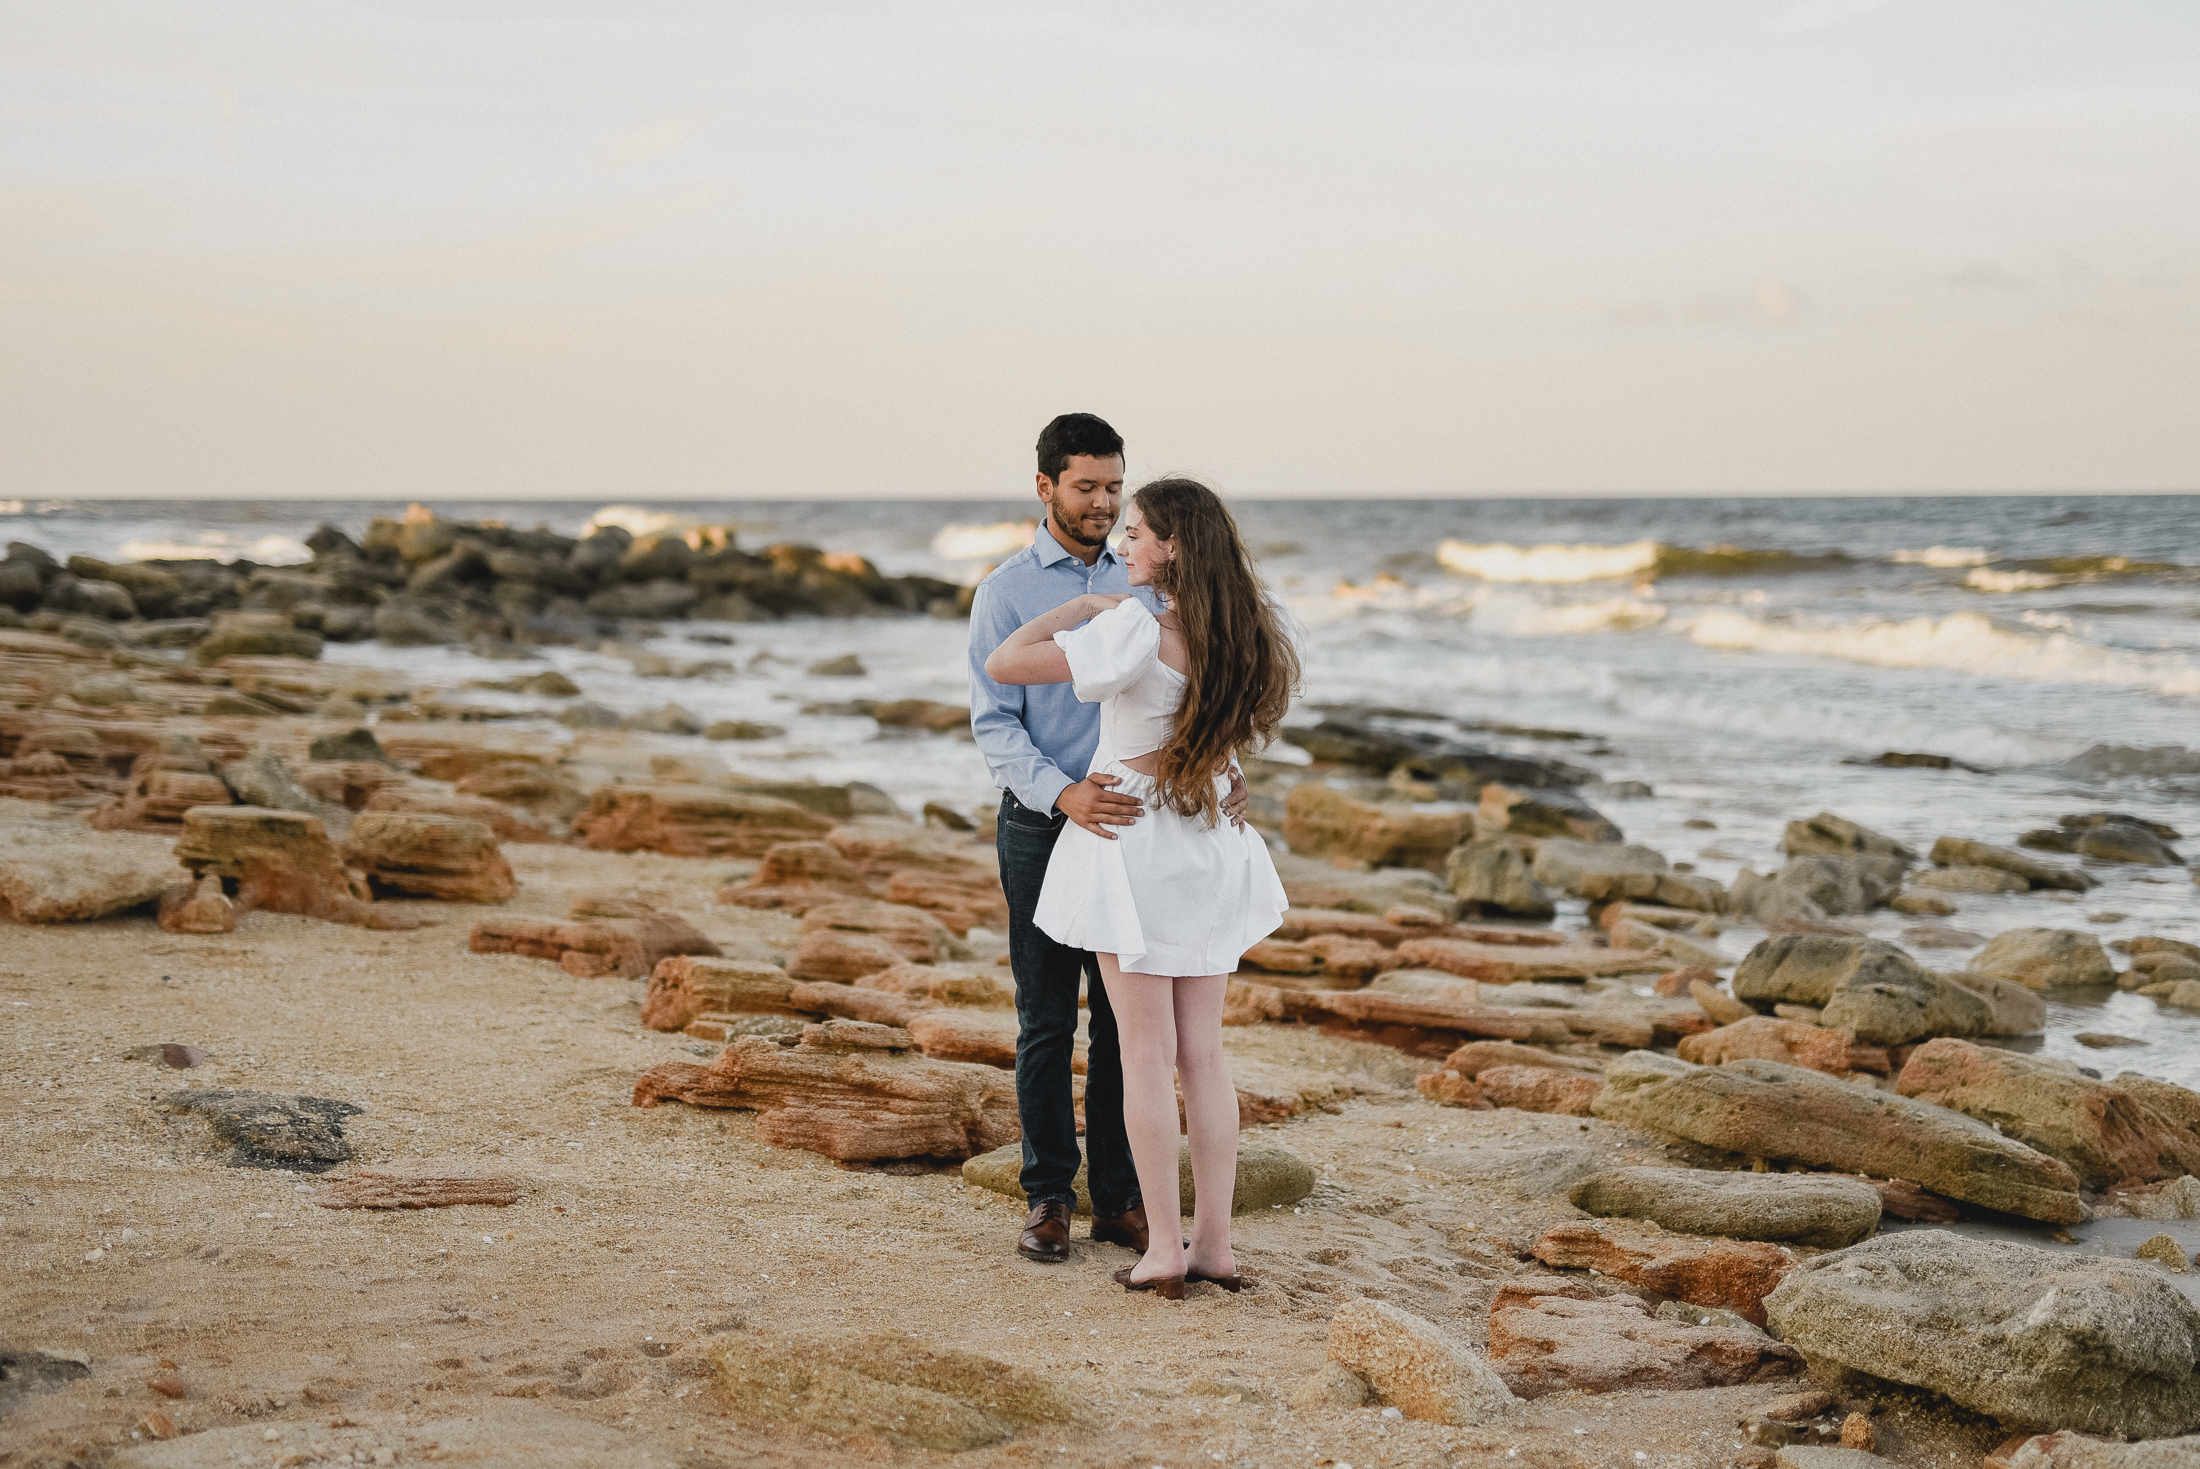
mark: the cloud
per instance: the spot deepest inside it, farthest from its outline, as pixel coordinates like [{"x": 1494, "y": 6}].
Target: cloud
[
  {"x": 645, "y": 141},
  {"x": 1813, "y": 15}
]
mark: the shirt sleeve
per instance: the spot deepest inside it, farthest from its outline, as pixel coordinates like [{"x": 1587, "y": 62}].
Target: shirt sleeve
[
  {"x": 997, "y": 712},
  {"x": 1107, "y": 654}
]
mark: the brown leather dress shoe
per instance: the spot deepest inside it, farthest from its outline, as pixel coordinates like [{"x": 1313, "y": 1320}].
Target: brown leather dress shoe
[
  {"x": 1127, "y": 1229},
  {"x": 1046, "y": 1233}
]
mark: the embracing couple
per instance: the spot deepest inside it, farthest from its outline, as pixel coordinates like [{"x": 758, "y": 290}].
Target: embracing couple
[{"x": 1110, "y": 693}]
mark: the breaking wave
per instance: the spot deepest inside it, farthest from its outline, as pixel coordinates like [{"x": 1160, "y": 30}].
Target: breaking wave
[
  {"x": 1944, "y": 558},
  {"x": 1498, "y": 561},
  {"x": 1965, "y": 642},
  {"x": 983, "y": 542},
  {"x": 1515, "y": 615}
]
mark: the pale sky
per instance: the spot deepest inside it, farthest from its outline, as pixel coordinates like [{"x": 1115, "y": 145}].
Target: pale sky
[{"x": 651, "y": 249}]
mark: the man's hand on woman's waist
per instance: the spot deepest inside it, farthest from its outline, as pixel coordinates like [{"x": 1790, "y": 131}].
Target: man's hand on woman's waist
[{"x": 1091, "y": 805}]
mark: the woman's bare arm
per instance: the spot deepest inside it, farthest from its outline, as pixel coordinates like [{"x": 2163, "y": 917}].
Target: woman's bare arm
[{"x": 1031, "y": 655}]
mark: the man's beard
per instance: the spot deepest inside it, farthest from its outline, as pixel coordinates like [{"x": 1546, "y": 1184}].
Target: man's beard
[{"x": 1076, "y": 531}]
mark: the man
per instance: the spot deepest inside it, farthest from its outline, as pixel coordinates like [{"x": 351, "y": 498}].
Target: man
[{"x": 1038, "y": 741}]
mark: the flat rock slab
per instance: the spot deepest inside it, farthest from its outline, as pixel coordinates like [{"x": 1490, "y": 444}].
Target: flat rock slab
[
  {"x": 509, "y": 1433},
  {"x": 62, "y": 871},
  {"x": 304, "y": 1134},
  {"x": 2080, "y": 1451},
  {"x": 2020, "y": 1334},
  {"x": 888, "y": 1385},
  {"x": 374, "y": 1189},
  {"x": 1546, "y": 1341},
  {"x": 1800, "y": 1208},
  {"x": 1733, "y": 1274},
  {"x": 1767, "y": 1110}
]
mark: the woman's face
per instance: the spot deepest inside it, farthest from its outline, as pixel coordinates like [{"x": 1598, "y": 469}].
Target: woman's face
[{"x": 1144, "y": 553}]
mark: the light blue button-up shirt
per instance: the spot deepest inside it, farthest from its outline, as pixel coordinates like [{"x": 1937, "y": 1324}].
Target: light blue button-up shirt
[{"x": 1037, "y": 739}]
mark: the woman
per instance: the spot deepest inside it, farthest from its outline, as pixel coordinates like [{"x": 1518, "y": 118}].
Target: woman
[{"x": 1172, "y": 904}]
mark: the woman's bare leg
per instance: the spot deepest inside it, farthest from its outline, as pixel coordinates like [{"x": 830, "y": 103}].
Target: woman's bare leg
[
  {"x": 1210, "y": 1119},
  {"x": 1145, "y": 1021}
]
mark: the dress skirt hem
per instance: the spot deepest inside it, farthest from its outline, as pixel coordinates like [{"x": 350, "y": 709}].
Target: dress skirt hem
[{"x": 1169, "y": 896}]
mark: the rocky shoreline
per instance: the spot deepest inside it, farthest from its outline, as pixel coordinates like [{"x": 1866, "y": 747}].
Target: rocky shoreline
[{"x": 722, "y": 1066}]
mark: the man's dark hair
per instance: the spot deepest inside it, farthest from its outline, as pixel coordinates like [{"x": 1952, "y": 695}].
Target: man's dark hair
[{"x": 1075, "y": 433}]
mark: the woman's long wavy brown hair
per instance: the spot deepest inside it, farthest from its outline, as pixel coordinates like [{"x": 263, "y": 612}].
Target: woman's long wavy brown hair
[{"x": 1243, "y": 668}]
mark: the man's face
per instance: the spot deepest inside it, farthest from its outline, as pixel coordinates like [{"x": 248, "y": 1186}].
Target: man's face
[{"x": 1083, "y": 503}]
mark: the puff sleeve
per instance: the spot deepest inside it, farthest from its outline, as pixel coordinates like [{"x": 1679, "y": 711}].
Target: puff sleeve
[{"x": 1109, "y": 653}]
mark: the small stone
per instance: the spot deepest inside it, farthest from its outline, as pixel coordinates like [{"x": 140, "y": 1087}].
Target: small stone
[
  {"x": 2101, "y": 1040},
  {"x": 1856, "y": 1433},
  {"x": 2163, "y": 1250},
  {"x": 1798, "y": 1406},
  {"x": 1414, "y": 1367},
  {"x": 167, "y": 1384},
  {"x": 157, "y": 1424},
  {"x": 742, "y": 729},
  {"x": 94, "y": 1256},
  {"x": 847, "y": 665}
]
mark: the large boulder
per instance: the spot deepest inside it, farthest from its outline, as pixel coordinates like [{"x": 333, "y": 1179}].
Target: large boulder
[
  {"x": 1491, "y": 877},
  {"x": 2045, "y": 959},
  {"x": 1838, "y": 885},
  {"x": 1964, "y": 852},
  {"x": 264, "y": 778},
  {"x": 1794, "y": 1208},
  {"x": 2107, "y": 1136},
  {"x": 1766, "y": 1110},
  {"x": 260, "y": 633},
  {"x": 1861, "y": 984},
  {"x": 1545, "y": 812},
  {"x": 2017, "y": 1333},
  {"x": 1564, "y": 863},
  {"x": 1562, "y": 1336},
  {"x": 2015, "y": 1009},
  {"x": 281, "y": 861},
  {"x": 1794, "y": 1042},
  {"x": 1769, "y": 901},
  {"x": 1414, "y": 1367}
]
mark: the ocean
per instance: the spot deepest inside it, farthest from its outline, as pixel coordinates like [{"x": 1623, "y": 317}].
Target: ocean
[{"x": 1733, "y": 655}]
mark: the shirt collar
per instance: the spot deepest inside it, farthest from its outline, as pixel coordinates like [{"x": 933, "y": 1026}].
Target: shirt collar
[{"x": 1050, "y": 550}]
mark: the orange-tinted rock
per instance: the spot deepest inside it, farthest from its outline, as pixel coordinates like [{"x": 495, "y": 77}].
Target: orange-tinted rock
[
  {"x": 846, "y": 1002},
  {"x": 1677, "y": 983},
  {"x": 1420, "y": 1027},
  {"x": 1345, "y": 956},
  {"x": 504, "y": 823},
  {"x": 985, "y": 1037},
  {"x": 1569, "y": 1338},
  {"x": 1278, "y": 956},
  {"x": 1763, "y": 1038},
  {"x": 692, "y": 821},
  {"x": 2105, "y": 1134},
  {"x": 1450, "y": 1089},
  {"x": 1539, "y": 1089},
  {"x": 848, "y": 1103},
  {"x": 945, "y": 984},
  {"x": 348, "y": 783},
  {"x": 1306, "y": 923},
  {"x": 796, "y": 877},
  {"x": 280, "y": 861},
  {"x": 684, "y": 988},
  {"x": 606, "y": 936},
  {"x": 197, "y": 905},
  {"x": 841, "y": 957},
  {"x": 453, "y": 757},
  {"x": 913, "y": 934},
  {"x": 1901, "y": 1199},
  {"x": 1471, "y": 1058},
  {"x": 1735, "y": 1274},
  {"x": 1320, "y": 821},
  {"x": 960, "y": 900},
  {"x": 430, "y": 856},
  {"x": 1512, "y": 963},
  {"x": 374, "y": 1188},
  {"x": 878, "y": 848},
  {"x": 163, "y": 785}
]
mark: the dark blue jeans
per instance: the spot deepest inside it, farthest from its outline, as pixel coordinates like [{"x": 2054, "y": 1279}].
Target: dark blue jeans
[{"x": 1046, "y": 1032}]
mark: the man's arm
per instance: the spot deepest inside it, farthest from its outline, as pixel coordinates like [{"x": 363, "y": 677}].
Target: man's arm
[{"x": 997, "y": 711}]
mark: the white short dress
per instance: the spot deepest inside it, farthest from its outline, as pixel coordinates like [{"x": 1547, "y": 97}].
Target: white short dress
[{"x": 1170, "y": 895}]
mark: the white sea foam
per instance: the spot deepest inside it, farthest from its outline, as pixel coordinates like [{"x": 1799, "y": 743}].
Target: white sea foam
[
  {"x": 636, "y": 521},
  {"x": 983, "y": 542},
  {"x": 1553, "y": 563},
  {"x": 267, "y": 550},
  {"x": 1965, "y": 642},
  {"x": 1984, "y": 579},
  {"x": 1946, "y": 558}
]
